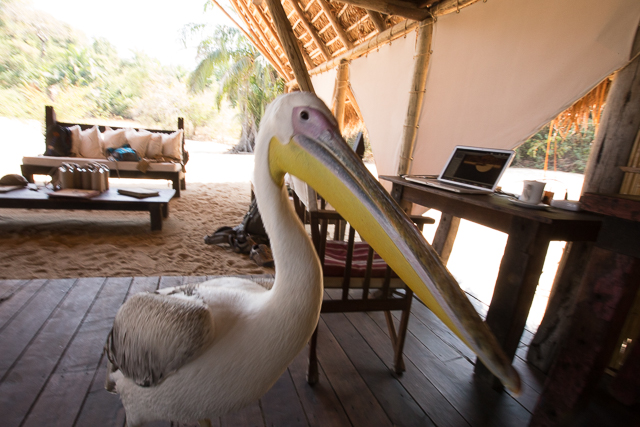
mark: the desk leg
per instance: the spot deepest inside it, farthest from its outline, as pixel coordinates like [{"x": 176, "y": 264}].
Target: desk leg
[
  {"x": 165, "y": 210},
  {"x": 515, "y": 288},
  {"x": 155, "y": 211},
  {"x": 446, "y": 236}
]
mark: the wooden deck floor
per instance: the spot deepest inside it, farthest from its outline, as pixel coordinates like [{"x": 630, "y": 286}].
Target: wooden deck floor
[{"x": 52, "y": 369}]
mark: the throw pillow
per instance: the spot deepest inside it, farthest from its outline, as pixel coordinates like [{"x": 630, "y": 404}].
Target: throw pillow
[
  {"x": 113, "y": 138},
  {"x": 138, "y": 140},
  {"x": 155, "y": 146},
  {"x": 86, "y": 143},
  {"x": 172, "y": 145}
]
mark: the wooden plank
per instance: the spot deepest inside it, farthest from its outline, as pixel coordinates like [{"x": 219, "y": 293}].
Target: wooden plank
[
  {"x": 478, "y": 403},
  {"x": 362, "y": 407},
  {"x": 17, "y": 335},
  {"x": 321, "y": 405},
  {"x": 9, "y": 287},
  {"x": 619, "y": 205},
  {"x": 11, "y": 306},
  {"x": 170, "y": 281},
  {"x": 23, "y": 383},
  {"x": 250, "y": 416},
  {"x": 373, "y": 327},
  {"x": 429, "y": 320},
  {"x": 101, "y": 407},
  {"x": 64, "y": 394},
  {"x": 281, "y": 406}
]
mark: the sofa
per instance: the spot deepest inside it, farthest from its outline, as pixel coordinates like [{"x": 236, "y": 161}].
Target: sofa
[{"x": 162, "y": 153}]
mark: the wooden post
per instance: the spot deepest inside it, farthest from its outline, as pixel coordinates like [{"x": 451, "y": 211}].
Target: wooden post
[
  {"x": 446, "y": 236},
  {"x": 611, "y": 148},
  {"x": 290, "y": 44},
  {"x": 342, "y": 83},
  {"x": 418, "y": 83}
]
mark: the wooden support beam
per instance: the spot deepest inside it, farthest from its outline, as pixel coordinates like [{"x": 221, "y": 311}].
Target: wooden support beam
[
  {"x": 378, "y": 20},
  {"x": 344, "y": 38},
  {"x": 406, "y": 9},
  {"x": 311, "y": 29},
  {"x": 418, "y": 84},
  {"x": 395, "y": 32},
  {"x": 290, "y": 44},
  {"x": 342, "y": 83}
]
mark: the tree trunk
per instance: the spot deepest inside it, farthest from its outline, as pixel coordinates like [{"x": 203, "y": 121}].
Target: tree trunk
[{"x": 611, "y": 149}]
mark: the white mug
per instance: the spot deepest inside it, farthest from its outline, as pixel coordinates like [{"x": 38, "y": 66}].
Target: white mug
[{"x": 532, "y": 192}]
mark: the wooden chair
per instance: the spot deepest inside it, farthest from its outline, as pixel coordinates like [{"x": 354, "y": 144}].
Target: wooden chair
[{"x": 356, "y": 279}]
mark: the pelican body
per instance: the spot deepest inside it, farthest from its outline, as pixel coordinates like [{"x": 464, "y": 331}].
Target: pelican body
[{"x": 196, "y": 352}]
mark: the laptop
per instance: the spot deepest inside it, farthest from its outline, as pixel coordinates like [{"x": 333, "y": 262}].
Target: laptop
[{"x": 470, "y": 170}]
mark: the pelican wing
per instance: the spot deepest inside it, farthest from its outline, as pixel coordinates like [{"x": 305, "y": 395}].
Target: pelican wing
[{"x": 154, "y": 335}]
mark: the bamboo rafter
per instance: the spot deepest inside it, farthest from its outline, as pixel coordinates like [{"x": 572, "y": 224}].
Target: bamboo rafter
[{"x": 261, "y": 34}]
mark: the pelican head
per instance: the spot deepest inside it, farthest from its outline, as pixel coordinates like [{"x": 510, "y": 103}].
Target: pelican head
[{"x": 300, "y": 136}]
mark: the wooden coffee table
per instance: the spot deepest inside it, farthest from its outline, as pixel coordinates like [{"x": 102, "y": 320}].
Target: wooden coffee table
[{"x": 110, "y": 200}]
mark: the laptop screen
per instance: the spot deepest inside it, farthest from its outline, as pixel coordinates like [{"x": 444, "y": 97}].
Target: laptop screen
[{"x": 477, "y": 167}]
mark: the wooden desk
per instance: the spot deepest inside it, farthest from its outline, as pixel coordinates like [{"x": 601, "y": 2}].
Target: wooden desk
[
  {"x": 529, "y": 231},
  {"x": 110, "y": 200}
]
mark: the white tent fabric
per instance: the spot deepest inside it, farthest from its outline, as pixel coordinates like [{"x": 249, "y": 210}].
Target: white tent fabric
[
  {"x": 324, "y": 84},
  {"x": 380, "y": 83},
  {"x": 499, "y": 71},
  {"x": 503, "y": 69}
]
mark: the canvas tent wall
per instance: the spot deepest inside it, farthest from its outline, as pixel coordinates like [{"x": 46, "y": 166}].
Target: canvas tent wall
[{"x": 499, "y": 70}]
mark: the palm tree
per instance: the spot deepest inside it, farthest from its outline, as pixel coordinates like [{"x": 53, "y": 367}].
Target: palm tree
[{"x": 244, "y": 77}]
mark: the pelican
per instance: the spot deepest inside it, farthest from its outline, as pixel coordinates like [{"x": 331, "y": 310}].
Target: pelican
[{"x": 196, "y": 352}]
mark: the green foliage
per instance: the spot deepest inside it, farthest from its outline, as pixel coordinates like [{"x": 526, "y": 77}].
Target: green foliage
[
  {"x": 46, "y": 62},
  {"x": 245, "y": 78},
  {"x": 572, "y": 152}
]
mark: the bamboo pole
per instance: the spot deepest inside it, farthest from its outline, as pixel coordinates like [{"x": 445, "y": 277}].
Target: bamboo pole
[
  {"x": 270, "y": 28},
  {"x": 261, "y": 33},
  {"x": 342, "y": 83},
  {"x": 344, "y": 38},
  {"x": 418, "y": 84},
  {"x": 311, "y": 29},
  {"x": 290, "y": 44},
  {"x": 395, "y": 32}
]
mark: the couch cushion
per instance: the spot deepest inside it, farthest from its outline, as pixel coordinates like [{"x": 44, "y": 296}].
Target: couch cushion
[
  {"x": 172, "y": 145},
  {"x": 86, "y": 143},
  {"x": 138, "y": 140},
  {"x": 113, "y": 138},
  {"x": 128, "y": 166},
  {"x": 154, "y": 148}
]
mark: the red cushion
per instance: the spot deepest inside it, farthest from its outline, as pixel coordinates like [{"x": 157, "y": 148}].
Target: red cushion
[{"x": 336, "y": 255}]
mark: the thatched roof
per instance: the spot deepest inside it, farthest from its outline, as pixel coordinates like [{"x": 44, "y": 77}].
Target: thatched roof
[{"x": 328, "y": 31}]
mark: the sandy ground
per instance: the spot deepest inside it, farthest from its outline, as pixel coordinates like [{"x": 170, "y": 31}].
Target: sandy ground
[{"x": 58, "y": 244}]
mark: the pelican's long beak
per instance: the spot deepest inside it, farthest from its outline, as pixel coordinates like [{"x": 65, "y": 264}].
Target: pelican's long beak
[{"x": 318, "y": 155}]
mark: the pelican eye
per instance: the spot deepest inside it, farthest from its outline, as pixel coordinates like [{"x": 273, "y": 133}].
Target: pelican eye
[{"x": 304, "y": 115}]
